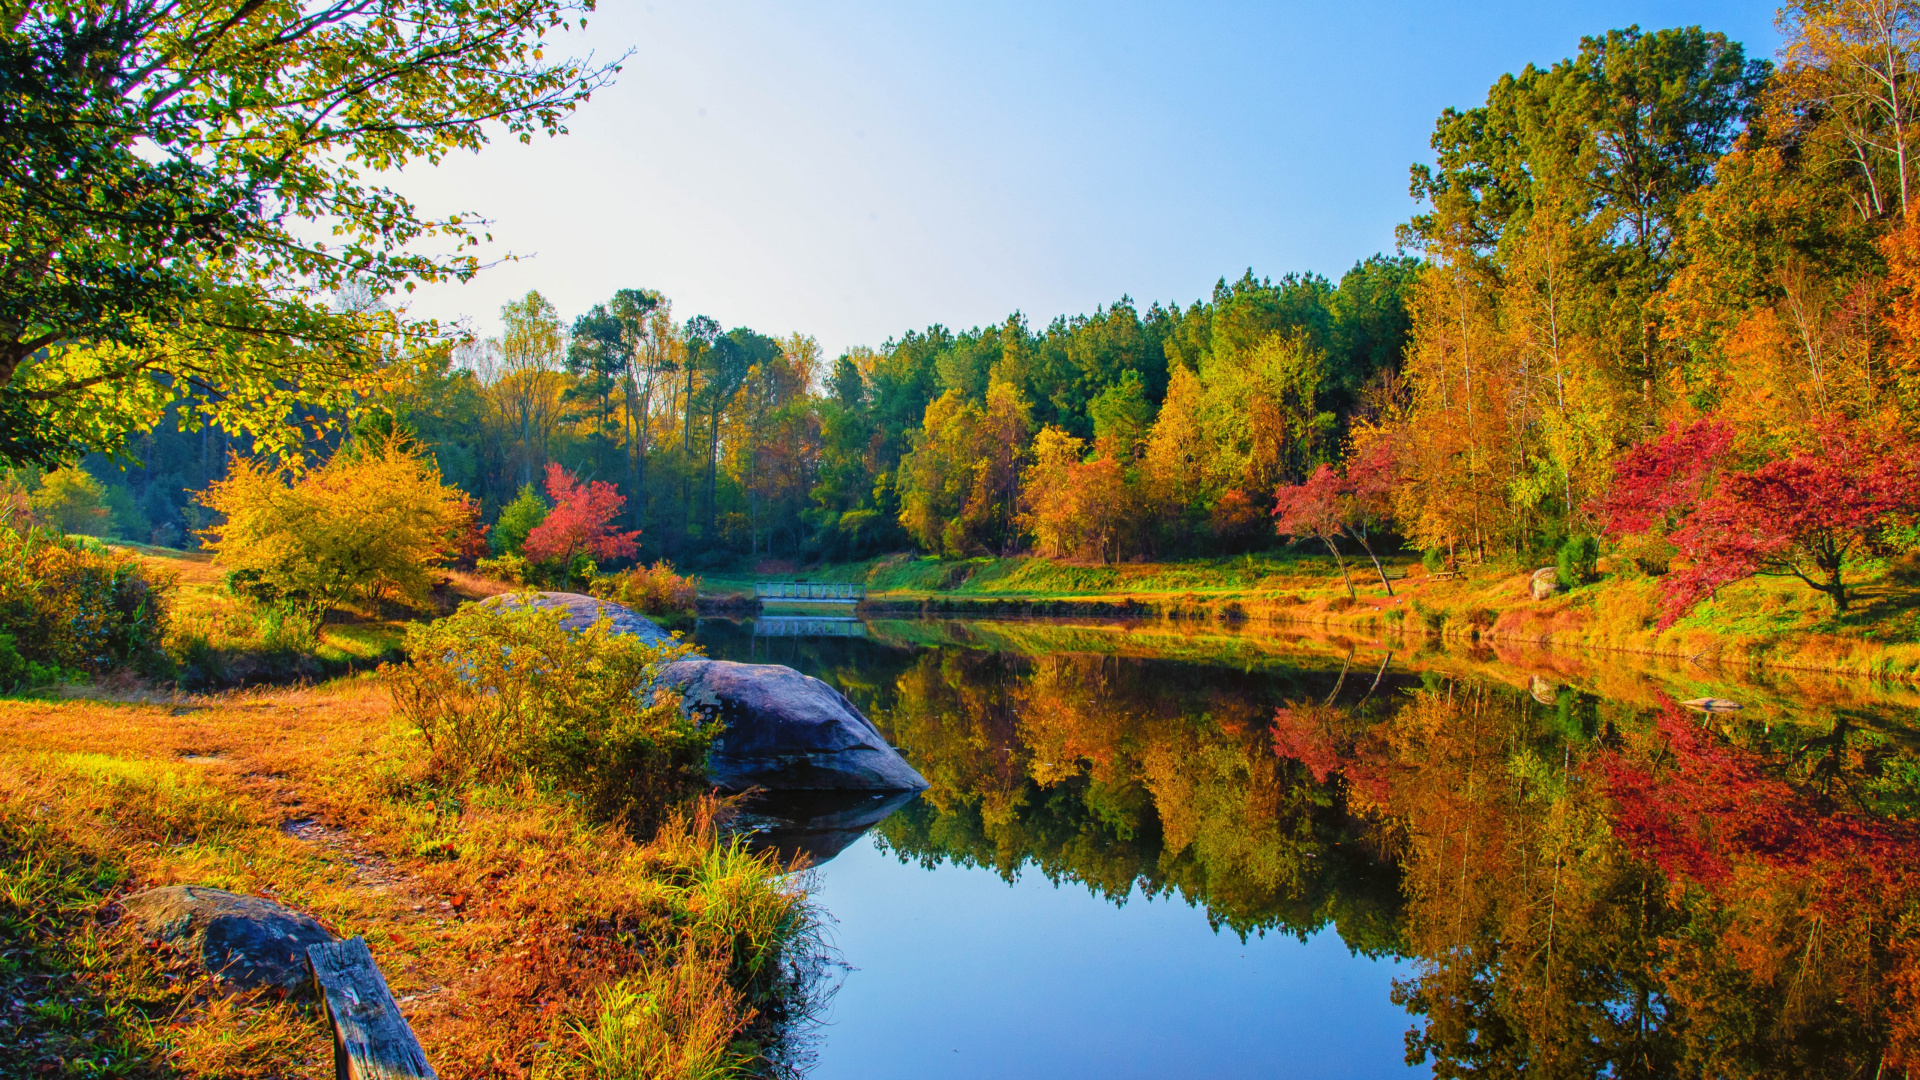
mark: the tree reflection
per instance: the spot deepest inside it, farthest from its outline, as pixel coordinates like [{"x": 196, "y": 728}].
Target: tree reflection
[{"x": 1586, "y": 888}]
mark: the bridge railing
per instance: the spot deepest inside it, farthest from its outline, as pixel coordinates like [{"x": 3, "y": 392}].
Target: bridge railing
[{"x": 826, "y": 592}]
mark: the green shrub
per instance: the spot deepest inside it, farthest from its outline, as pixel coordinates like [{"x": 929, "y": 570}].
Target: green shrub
[
  {"x": 1577, "y": 559},
  {"x": 1435, "y": 560},
  {"x": 75, "y": 606},
  {"x": 510, "y": 568},
  {"x": 501, "y": 688}
]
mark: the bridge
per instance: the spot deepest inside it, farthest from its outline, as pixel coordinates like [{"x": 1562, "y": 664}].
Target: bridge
[{"x": 810, "y": 592}]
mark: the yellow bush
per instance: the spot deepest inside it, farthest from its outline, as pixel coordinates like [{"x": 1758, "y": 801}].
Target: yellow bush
[
  {"x": 655, "y": 591},
  {"x": 371, "y": 523}
]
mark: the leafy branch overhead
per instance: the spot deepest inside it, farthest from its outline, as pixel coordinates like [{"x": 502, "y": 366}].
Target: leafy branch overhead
[{"x": 185, "y": 184}]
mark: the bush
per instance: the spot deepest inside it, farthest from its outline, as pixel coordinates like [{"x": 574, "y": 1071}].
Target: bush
[
  {"x": 1577, "y": 559},
  {"x": 74, "y": 606},
  {"x": 654, "y": 591},
  {"x": 509, "y": 568},
  {"x": 501, "y": 688}
]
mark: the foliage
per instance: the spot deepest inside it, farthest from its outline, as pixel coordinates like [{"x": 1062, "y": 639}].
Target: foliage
[
  {"x": 580, "y": 522},
  {"x": 170, "y": 165},
  {"x": 1331, "y": 503},
  {"x": 512, "y": 569},
  {"x": 1576, "y": 560},
  {"x": 655, "y": 591},
  {"x": 71, "y": 500},
  {"x": 499, "y": 688},
  {"x": 1805, "y": 513},
  {"x": 372, "y": 522},
  {"x": 68, "y": 606},
  {"x": 520, "y": 517}
]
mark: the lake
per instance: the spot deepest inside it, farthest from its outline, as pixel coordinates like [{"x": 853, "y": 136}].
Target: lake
[{"x": 1156, "y": 851}]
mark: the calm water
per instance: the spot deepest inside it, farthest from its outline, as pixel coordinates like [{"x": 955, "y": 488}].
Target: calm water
[{"x": 1156, "y": 854}]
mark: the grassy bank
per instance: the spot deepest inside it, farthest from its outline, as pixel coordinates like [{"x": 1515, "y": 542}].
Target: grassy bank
[
  {"x": 1761, "y": 623},
  {"x": 521, "y": 937}
]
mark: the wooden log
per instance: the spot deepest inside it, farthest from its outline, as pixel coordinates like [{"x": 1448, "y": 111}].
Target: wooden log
[{"x": 371, "y": 1040}]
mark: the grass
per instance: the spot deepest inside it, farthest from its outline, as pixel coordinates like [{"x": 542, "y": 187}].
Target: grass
[
  {"x": 224, "y": 640},
  {"x": 516, "y": 932}
]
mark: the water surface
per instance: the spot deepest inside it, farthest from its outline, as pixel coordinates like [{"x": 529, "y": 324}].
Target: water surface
[{"x": 1149, "y": 852}]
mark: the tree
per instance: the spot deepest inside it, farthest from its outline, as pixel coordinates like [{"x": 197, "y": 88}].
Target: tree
[
  {"x": 520, "y": 517},
  {"x": 532, "y": 344},
  {"x": 183, "y": 192},
  {"x": 72, "y": 501},
  {"x": 1315, "y": 508},
  {"x": 579, "y": 523},
  {"x": 1856, "y": 61},
  {"x": 1804, "y": 514},
  {"x": 372, "y": 522}
]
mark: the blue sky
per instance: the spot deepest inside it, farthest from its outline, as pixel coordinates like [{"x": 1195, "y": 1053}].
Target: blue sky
[{"x": 851, "y": 170}]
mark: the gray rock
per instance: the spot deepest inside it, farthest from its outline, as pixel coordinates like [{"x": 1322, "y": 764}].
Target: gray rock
[
  {"x": 1544, "y": 692},
  {"x": 583, "y": 611},
  {"x": 1546, "y": 582},
  {"x": 786, "y": 731},
  {"x": 247, "y": 941}
]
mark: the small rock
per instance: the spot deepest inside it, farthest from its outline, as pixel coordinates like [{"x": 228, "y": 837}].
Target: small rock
[
  {"x": 1543, "y": 691},
  {"x": 247, "y": 941},
  {"x": 1711, "y": 704},
  {"x": 1546, "y": 582}
]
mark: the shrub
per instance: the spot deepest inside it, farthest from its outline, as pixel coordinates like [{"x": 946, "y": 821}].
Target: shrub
[
  {"x": 501, "y": 688},
  {"x": 70, "y": 605},
  {"x": 580, "y": 524},
  {"x": 509, "y": 568},
  {"x": 655, "y": 591},
  {"x": 1577, "y": 559},
  {"x": 370, "y": 523}
]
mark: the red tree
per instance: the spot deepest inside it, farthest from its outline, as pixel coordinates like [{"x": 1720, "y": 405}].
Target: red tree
[
  {"x": 579, "y": 521},
  {"x": 1801, "y": 516},
  {"x": 1333, "y": 504}
]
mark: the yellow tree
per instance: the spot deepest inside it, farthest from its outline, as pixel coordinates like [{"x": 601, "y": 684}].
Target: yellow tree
[{"x": 373, "y": 522}]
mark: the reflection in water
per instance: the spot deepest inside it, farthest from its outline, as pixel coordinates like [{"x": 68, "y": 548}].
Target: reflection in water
[
  {"x": 816, "y": 824},
  {"x": 1587, "y": 884}
]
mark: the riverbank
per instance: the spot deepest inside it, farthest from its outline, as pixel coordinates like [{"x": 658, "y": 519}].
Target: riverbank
[
  {"x": 521, "y": 935},
  {"x": 1751, "y": 625}
]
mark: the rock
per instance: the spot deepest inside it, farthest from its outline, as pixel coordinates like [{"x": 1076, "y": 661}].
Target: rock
[
  {"x": 1543, "y": 691},
  {"x": 1546, "y": 582},
  {"x": 583, "y": 611},
  {"x": 786, "y": 731},
  {"x": 1711, "y": 704},
  {"x": 247, "y": 941}
]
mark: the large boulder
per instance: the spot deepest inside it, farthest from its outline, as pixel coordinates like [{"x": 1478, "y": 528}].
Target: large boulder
[
  {"x": 246, "y": 941},
  {"x": 582, "y": 611},
  {"x": 785, "y": 731},
  {"x": 1546, "y": 583},
  {"x": 782, "y": 730}
]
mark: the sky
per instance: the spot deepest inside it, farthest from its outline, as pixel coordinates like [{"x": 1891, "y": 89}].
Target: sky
[{"x": 853, "y": 170}]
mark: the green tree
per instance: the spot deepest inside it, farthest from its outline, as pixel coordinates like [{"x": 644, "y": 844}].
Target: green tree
[
  {"x": 185, "y": 189},
  {"x": 520, "y": 517}
]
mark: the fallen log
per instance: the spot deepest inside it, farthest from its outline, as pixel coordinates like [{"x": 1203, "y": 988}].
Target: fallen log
[{"x": 371, "y": 1040}]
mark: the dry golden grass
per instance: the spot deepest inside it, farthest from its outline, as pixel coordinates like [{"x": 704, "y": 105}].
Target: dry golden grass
[{"x": 500, "y": 916}]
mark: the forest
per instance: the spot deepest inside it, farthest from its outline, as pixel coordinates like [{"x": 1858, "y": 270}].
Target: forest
[{"x": 1646, "y": 290}]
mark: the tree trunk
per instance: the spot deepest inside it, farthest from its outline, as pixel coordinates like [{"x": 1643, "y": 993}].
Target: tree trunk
[
  {"x": 1368, "y": 548},
  {"x": 1342, "y": 563}
]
